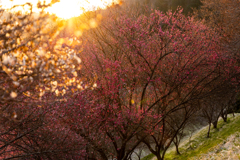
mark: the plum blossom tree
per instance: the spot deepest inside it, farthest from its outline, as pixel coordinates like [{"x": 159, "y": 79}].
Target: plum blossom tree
[
  {"x": 137, "y": 72},
  {"x": 36, "y": 66},
  {"x": 223, "y": 15},
  {"x": 33, "y": 59},
  {"x": 218, "y": 104},
  {"x": 145, "y": 68}
]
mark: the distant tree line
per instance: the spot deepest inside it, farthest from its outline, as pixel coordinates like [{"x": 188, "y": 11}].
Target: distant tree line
[
  {"x": 165, "y": 5},
  {"x": 187, "y": 5}
]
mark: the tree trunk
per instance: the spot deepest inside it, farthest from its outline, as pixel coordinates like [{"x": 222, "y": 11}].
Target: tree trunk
[
  {"x": 176, "y": 145},
  {"x": 177, "y": 150},
  {"x": 159, "y": 156},
  {"x": 121, "y": 153},
  {"x": 209, "y": 127},
  {"x": 215, "y": 123},
  {"x": 224, "y": 117}
]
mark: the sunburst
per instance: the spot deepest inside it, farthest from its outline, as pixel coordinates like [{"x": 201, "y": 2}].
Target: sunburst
[{"x": 66, "y": 8}]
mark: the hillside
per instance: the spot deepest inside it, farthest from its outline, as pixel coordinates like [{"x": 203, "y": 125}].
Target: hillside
[{"x": 224, "y": 143}]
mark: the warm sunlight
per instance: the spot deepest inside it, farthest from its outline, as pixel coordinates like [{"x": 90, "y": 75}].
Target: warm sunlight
[
  {"x": 66, "y": 8},
  {"x": 72, "y": 8}
]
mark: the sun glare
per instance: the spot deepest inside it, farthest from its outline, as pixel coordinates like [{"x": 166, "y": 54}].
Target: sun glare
[{"x": 66, "y": 8}]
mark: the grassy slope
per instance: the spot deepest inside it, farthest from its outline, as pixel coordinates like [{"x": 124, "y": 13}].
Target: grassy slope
[{"x": 199, "y": 144}]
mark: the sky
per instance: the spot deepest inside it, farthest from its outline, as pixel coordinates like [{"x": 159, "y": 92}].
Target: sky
[{"x": 65, "y": 8}]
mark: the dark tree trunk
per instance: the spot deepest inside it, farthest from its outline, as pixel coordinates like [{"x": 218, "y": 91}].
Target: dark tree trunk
[
  {"x": 215, "y": 123},
  {"x": 177, "y": 150},
  {"x": 224, "y": 117},
  {"x": 209, "y": 128},
  {"x": 121, "y": 153},
  {"x": 176, "y": 145},
  {"x": 159, "y": 156},
  {"x": 224, "y": 114}
]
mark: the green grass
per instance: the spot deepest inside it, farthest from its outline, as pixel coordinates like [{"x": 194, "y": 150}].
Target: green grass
[
  {"x": 202, "y": 145},
  {"x": 148, "y": 157}
]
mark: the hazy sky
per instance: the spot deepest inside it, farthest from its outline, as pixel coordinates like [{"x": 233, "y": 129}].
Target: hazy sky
[{"x": 65, "y": 8}]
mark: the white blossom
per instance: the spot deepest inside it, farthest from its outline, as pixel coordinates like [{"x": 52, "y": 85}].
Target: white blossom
[
  {"x": 16, "y": 83},
  {"x": 13, "y": 94}
]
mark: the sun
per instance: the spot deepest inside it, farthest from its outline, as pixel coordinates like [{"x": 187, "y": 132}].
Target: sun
[
  {"x": 73, "y": 8},
  {"x": 66, "y": 8}
]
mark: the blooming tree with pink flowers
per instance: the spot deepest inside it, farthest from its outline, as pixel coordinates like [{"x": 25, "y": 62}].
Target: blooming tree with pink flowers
[
  {"x": 35, "y": 72},
  {"x": 146, "y": 69},
  {"x": 135, "y": 79}
]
